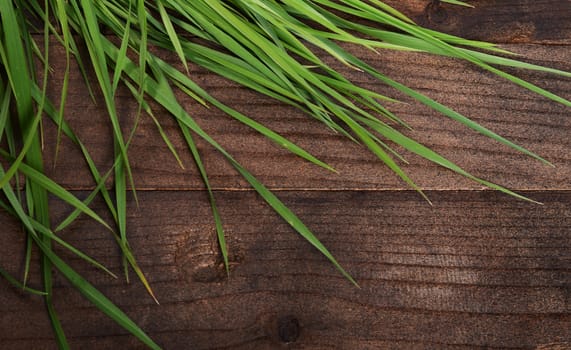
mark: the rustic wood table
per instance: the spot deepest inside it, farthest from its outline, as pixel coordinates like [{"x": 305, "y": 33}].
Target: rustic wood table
[{"x": 476, "y": 269}]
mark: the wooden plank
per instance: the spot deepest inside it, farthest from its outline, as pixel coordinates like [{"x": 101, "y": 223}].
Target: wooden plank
[
  {"x": 477, "y": 269},
  {"x": 540, "y": 125},
  {"x": 506, "y": 21}
]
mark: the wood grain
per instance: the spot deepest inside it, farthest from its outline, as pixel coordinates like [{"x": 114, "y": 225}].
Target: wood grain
[
  {"x": 507, "y": 21},
  {"x": 474, "y": 270},
  {"x": 531, "y": 121}
]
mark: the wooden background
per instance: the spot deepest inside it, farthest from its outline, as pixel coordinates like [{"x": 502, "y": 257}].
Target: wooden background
[{"x": 476, "y": 270}]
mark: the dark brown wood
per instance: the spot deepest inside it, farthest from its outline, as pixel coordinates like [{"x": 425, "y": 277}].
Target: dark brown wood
[
  {"x": 508, "y": 21},
  {"x": 531, "y": 121},
  {"x": 477, "y": 269}
]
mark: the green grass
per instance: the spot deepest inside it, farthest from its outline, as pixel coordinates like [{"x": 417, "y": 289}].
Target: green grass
[{"x": 268, "y": 46}]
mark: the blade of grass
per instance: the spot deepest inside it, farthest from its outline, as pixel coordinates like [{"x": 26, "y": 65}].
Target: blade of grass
[
  {"x": 163, "y": 95},
  {"x": 13, "y": 281}
]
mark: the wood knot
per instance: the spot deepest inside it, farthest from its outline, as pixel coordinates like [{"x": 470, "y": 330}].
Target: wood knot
[
  {"x": 435, "y": 12},
  {"x": 215, "y": 272},
  {"x": 209, "y": 274},
  {"x": 288, "y": 329}
]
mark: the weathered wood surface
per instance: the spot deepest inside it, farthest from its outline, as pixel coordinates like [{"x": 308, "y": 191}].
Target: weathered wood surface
[
  {"x": 476, "y": 270},
  {"x": 531, "y": 121},
  {"x": 522, "y": 21}
]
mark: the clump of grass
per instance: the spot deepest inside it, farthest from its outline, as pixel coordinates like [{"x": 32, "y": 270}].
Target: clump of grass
[{"x": 268, "y": 46}]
